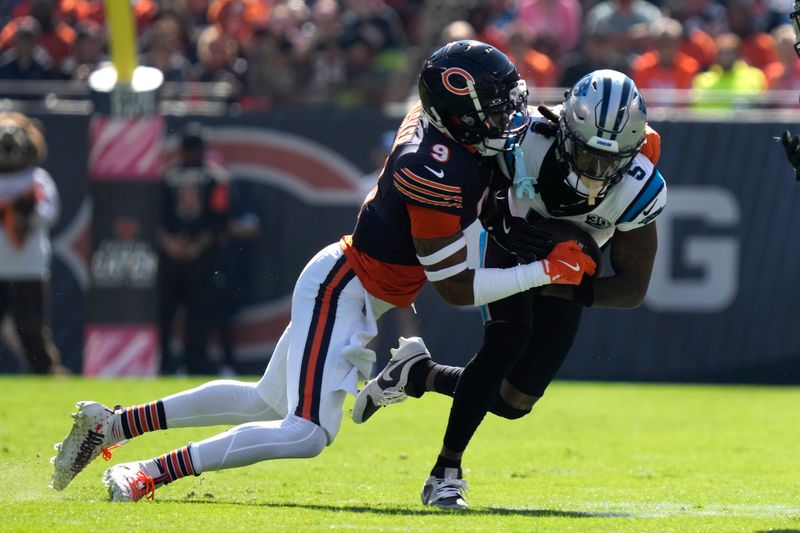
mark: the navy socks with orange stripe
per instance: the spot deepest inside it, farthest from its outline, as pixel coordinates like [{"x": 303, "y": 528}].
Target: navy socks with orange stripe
[
  {"x": 144, "y": 418},
  {"x": 170, "y": 466},
  {"x": 174, "y": 465}
]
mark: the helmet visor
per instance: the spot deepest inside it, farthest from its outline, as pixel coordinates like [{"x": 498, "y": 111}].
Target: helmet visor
[
  {"x": 597, "y": 165},
  {"x": 509, "y": 118}
]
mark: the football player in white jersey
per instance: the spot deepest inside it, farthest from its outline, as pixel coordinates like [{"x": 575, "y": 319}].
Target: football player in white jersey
[{"x": 587, "y": 169}]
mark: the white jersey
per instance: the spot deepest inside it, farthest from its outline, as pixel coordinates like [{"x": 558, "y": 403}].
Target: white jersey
[
  {"x": 634, "y": 201},
  {"x": 29, "y": 260}
]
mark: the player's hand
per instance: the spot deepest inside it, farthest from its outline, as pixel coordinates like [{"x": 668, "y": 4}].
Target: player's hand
[
  {"x": 567, "y": 264},
  {"x": 548, "y": 129},
  {"x": 792, "y": 146},
  {"x": 651, "y": 149},
  {"x": 522, "y": 239},
  {"x": 514, "y": 234}
]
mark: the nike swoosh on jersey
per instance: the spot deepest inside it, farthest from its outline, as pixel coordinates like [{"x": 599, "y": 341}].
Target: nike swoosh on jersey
[
  {"x": 506, "y": 228},
  {"x": 650, "y": 207},
  {"x": 439, "y": 174}
]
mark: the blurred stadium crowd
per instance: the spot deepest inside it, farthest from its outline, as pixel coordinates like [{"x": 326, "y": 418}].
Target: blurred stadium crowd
[{"x": 366, "y": 52}]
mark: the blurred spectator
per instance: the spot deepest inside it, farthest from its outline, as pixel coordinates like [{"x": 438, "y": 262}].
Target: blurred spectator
[
  {"x": 460, "y": 30},
  {"x": 74, "y": 11},
  {"x": 481, "y": 18},
  {"x": 535, "y": 68},
  {"x": 163, "y": 52},
  {"x": 272, "y": 76},
  {"x": 374, "y": 23},
  {"x": 700, "y": 46},
  {"x": 757, "y": 48},
  {"x": 619, "y": 16},
  {"x": 25, "y": 60},
  {"x": 555, "y": 22},
  {"x": 597, "y": 52},
  {"x": 364, "y": 84},
  {"x": 244, "y": 228},
  {"x": 731, "y": 82},
  {"x": 29, "y": 207},
  {"x": 194, "y": 216},
  {"x": 237, "y": 18},
  {"x": 56, "y": 37},
  {"x": 372, "y": 37},
  {"x": 665, "y": 66},
  {"x": 774, "y": 14},
  {"x": 86, "y": 54},
  {"x": 620, "y": 20},
  {"x": 708, "y": 16},
  {"x": 218, "y": 59},
  {"x": 784, "y": 75},
  {"x": 317, "y": 47}
]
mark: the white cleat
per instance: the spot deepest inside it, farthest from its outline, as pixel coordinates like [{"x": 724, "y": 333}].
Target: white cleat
[
  {"x": 91, "y": 434},
  {"x": 128, "y": 482},
  {"x": 448, "y": 492},
  {"x": 388, "y": 387}
]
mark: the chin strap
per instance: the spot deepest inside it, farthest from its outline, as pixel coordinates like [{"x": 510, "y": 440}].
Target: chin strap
[{"x": 523, "y": 185}]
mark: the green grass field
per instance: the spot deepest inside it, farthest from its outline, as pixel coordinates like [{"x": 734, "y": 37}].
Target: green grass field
[{"x": 593, "y": 457}]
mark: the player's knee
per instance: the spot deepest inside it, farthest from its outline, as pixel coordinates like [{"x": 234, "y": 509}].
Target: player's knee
[
  {"x": 310, "y": 439},
  {"x": 512, "y": 403},
  {"x": 504, "y": 410}
]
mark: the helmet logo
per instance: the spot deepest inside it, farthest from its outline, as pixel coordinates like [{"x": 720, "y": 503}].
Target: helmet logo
[{"x": 468, "y": 82}]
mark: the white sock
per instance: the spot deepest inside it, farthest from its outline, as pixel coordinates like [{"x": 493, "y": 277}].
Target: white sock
[
  {"x": 292, "y": 437},
  {"x": 225, "y": 402}
]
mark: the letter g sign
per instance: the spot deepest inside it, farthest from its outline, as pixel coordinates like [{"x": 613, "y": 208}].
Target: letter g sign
[{"x": 715, "y": 256}]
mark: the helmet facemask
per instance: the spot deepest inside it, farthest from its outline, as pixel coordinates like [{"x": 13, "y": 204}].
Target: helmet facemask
[
  {"x": 601, "y": 129},
  {"x": 794, "y": 16},
  {"x": 506, "y": 123},
  {"x": 594, "y": 170}
]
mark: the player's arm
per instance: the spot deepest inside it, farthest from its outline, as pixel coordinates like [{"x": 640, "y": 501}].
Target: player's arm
[
  {"x": 445, "y": 263},
  {"x": 434, "y": 209},
  {"x": 632, "y": 256}
]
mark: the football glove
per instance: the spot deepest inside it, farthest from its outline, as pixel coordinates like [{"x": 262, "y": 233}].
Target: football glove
[
  {"x": 516, "y": 235},
  {"x": 792, "y": 146},
  {"x": 567, "y": 264}
]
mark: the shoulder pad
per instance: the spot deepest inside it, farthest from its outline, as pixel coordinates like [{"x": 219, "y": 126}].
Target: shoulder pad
[{"x": 650, "y": 199}]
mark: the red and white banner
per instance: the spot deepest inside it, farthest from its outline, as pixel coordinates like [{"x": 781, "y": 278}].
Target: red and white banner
[
  {"x": 121, "y": 350},
  {"x": 125, "y": 149}
]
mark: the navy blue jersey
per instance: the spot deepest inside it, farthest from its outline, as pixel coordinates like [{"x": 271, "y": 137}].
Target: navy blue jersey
[{"x": 430, "y": 187}]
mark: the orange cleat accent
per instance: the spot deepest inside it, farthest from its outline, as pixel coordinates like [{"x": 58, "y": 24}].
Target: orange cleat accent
[{"x": 142, "y": 486}]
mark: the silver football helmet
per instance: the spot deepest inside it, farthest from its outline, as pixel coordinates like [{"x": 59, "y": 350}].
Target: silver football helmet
[
  {"x": 794, "y": 16},
  {"x": 601, "y": 129}
]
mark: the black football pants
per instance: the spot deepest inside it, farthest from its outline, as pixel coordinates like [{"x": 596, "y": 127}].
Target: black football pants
[{"x": 526, "y": 340}]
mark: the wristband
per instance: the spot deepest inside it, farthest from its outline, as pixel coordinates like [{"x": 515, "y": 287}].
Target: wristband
[{"x": 492, "y": 284}]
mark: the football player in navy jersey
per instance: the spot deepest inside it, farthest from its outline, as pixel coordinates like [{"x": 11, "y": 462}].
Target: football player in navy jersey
[
  {"x": 409, "y": 230},
  {"x": 580, "y": 163}
]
